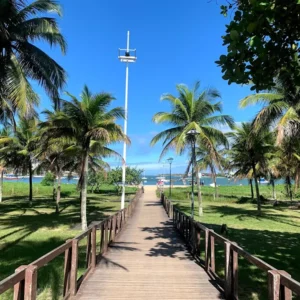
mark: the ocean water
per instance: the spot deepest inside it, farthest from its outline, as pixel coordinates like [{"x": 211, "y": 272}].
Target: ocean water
[
  {"x": 39, "y": 179},
  {"x": 152, "y": 180}
]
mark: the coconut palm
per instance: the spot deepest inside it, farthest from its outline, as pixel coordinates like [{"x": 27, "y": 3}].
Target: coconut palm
[
  {"x": 92, "y": 127},
  {"x": 251, "y": 150},
  {"x": 281, "y": 109},
  {"x": 18, "y": 149},
  {"x": 21, "y": 25},
  {"x": 191, "y": 110}
]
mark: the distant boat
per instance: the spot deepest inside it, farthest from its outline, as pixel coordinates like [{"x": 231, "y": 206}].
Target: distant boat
[
  {"x": 213, "y": 185},
  {"x": 263, "y": 181},
  {"x": 11, "y": 177}
]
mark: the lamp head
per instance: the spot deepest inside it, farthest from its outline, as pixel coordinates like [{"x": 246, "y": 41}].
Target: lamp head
[{"x": 170, "y": 160}]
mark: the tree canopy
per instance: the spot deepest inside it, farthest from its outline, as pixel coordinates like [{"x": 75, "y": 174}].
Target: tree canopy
[{"x": 262, "y": 42}]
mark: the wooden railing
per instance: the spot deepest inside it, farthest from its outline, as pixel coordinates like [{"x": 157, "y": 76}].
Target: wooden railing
[
  {"x": 280, "y": 284},
  {"x": 24, "y": 281}
]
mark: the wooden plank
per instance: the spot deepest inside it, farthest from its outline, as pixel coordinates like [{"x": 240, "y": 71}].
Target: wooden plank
[
  {"x": 74, "y": 267},
  {"x": 206, "y": 249},
  {"x": 235, "y": 275},
  {"x": 94, "y": 247},
  {"x": 40, "y": 262},
  {"x": 17, "y": 281},
  {"x": 88, "y": 250},
  {"x": 253, "y": 259},
  {"x": 273, "y": 285},
  {"x": 212, "y": 253},
  {"x": 290, "y": 283},
  {"x": 67, "y": 271},
  {"x": 228, "y": 271},
  {"x": 30, "y": 291}
]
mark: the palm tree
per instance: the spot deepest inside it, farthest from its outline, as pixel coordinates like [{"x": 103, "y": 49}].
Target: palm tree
[
  {"x": 206, "y": 158},
  {"x": 18, "y": 149},
  {"x": 281, "y": 109},
  {"x": 56, "y": 156},
  {"x": 92, "y": 127},
  {"x": 251, "y": 150},
  {"x": 21, "y": 25},
  {"x": 191, "y": 110}
]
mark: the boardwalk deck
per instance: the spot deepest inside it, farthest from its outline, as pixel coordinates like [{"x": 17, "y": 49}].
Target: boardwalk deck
[{"x": 148, "y": 261}]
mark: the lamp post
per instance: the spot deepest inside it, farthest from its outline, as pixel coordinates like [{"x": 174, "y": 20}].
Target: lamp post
[
  {"x": 192, "y": 133},
  {"x": 127, "y": 56},
  {"x": 170, "y": 160}
]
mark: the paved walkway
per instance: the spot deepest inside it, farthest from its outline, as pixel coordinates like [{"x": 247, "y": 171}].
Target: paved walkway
[{"x": 148, "y": 261}]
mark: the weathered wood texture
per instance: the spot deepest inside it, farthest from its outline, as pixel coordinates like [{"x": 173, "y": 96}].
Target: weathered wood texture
[{"x": 148, "y": 260}]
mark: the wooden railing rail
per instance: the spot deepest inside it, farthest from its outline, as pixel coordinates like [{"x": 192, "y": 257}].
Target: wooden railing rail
[
  {"x": 25, "y": 280},
  {"x": 280, "y": 284}
]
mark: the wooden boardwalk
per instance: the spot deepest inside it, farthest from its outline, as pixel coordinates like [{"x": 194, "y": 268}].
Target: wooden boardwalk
[{"x": 148, "y": 261}]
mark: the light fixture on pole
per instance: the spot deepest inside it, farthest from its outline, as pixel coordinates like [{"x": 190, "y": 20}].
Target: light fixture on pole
[
  {"x": 170, "y": 160},
  {"x": 127, "y": 56},
  {"x": 192, "y": 133}
]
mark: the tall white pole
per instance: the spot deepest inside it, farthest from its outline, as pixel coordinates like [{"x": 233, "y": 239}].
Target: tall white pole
[{"x": 125, "y": 131}]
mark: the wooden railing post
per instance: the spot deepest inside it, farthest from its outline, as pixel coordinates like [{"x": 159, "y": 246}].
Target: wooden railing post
[
  {"x": 212, "y": 253},
  {"x": 19, "y": 287},
  {"x": 119, "y": 222},
  {"x": 102, "y": 238},
  {"x": 30, "y": 282},
  {"x": 94, "y": 254},
  {"x": 285, "y": 293},
  {"x": 235, "y": 274},
  {"x": 88, "y": 250},
  {"x": 67, "y": 270},
  {"x": 105, "y": 244},
  {"x": 273, "y": 285},
  {"x": 206, "y": 249},
  {"x": 228, "y": 271},
  {"x": 74, "y": 266},
  {"x": 198, "y": 240}
]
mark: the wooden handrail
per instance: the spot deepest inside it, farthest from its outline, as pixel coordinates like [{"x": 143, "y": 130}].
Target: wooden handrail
[
  {"x": 280, "y": 283},
  {"x": 11, "y": 280},
  {"x": 24, "y": 281}
]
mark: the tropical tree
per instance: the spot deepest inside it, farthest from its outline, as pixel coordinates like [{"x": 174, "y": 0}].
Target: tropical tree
[
  {"x": 280, "y": 109},
  {"x": 92, "y": 127},
  {"x": 21, "y": 25},
  {"x": 251, "y": 150},
  {"x": 210, "y": 159},
  {"x": 18, "y": 149},
  {"x": 56, "y": 156},
  {"x": 191, "y": 110}
]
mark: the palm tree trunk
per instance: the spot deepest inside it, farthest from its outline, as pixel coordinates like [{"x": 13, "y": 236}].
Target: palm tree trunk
[
  {"x": 257, "y": 189},
  {"x": 297, "y": 179},
  {"x": 216, "y": 188},
  {"x": 200, "y": 208},
  {"x": 251, "y": 187},
  {"x": 30, "y": 182},
  {"x": 289, "y": 187},
  {"x": 58, "y": 191},
  {"x": 273, "y": 188},
  {"x": 84, "y": 191},
  {"x": 1, "y": 184}
]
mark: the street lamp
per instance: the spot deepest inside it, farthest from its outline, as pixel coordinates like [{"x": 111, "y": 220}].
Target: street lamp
[
  {"x": 170, "y": 160},
  {"x": 192, "y": 133},
  {"x": 128, "y": 56}
]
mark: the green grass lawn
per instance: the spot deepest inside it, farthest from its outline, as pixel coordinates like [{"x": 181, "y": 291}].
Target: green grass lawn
[
  {"x": 274, "y": 236},
  {"x": 244, "y": 191},
  {"x": 27, "y": 233}
]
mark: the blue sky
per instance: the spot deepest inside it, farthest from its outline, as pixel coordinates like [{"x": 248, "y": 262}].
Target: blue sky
[{"x": 176, "y": 42}]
